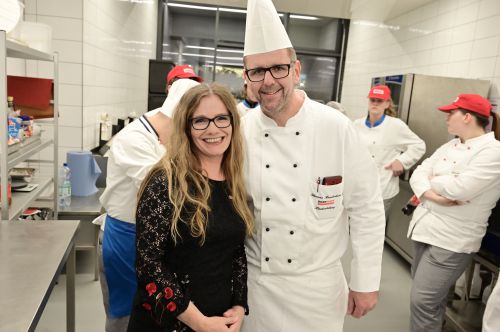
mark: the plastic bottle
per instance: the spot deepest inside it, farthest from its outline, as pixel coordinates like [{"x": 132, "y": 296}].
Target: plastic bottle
[
  {"x": 11, "y": 108},
  {"x": 411, "y": 205},
  {"x": 64, "y": 190}
]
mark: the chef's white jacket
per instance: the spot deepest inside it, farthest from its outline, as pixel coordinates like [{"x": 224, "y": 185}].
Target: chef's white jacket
[
  {"x": 302, "y": 226},
  {"x": 468, "y": 172},
  {"x": 389, "y": 141},
  {"x": 491, "y": 318},
  {"x": 134, "y": 150}
]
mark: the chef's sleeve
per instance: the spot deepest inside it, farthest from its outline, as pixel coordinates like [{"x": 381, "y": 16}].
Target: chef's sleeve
[
  {"x": 412, "y": 145},
  {"x": 363, "y": 201},
  {"x": 419, "y": 180},
  {"x": 465, "y": 184}
]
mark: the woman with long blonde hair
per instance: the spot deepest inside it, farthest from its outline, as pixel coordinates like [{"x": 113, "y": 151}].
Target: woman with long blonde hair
[{"x": 192, "y": 219}]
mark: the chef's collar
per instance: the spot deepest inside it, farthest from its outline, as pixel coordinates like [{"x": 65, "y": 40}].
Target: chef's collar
[
  {"x": 377, "y": 123},
  {"x": 479, "y": 140},
  {"x": 250, "y": 104}
]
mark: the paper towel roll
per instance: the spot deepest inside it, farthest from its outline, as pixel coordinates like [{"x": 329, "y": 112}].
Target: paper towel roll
[{"x": 84, "y": 172}]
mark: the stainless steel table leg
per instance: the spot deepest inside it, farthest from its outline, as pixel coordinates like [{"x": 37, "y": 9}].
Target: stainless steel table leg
[{"x": 70, "y": 290}]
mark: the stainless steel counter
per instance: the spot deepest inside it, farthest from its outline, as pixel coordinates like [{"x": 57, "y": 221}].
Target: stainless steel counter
[
  {"x": 85, "y": 209},
  {"x": 83, "y": 206},
  {"x": 32, "y": 255}
]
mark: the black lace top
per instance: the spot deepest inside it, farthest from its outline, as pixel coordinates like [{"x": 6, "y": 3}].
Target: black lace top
[{"x": 213, "y": 275}]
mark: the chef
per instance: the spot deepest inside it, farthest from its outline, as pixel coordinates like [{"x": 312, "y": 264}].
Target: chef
[
  {"x": 134, "y": 150},
  {"x": 315, "y": 190},
  {"x": 458, "y": 186}
]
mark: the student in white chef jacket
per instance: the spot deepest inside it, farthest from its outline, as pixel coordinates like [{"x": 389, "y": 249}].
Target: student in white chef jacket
[
  {"x": 134, "y": 150},
  {"x": 307, "y": 173},
  {"x": 392, "y": 145},
  {"x": 248, "y": 103},
  {"x": 458, "y": 186},
  {"x": 491, "y": 318}
]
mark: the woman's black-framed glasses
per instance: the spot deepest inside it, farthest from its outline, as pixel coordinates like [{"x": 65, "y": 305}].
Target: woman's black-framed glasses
[
  {"x": 276, "y": 71},
  {"x": 202, "y": 123}
]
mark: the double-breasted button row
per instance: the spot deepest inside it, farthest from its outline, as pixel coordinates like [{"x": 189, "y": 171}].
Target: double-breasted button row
[
  {"x": 294, "y": 165},
  {"x": 269, "y": 198},
  {"x": 297, "y": 133},
  {"x": 289, "y": 260},
  {"x": 269, "y": 229}
]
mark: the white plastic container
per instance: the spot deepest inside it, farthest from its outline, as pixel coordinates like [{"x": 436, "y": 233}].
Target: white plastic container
[
  {"x": 10, "y": 14},
  {"x": 37, "y": 35}
]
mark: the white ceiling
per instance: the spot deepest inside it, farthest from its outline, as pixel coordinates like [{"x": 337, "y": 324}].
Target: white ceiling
[{"x": 354, "y": 9}]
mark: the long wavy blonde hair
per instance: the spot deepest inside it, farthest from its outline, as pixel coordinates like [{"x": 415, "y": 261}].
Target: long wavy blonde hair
[
  {"x": 390, "y": 110},
  {"x": 188, "y": 187}
]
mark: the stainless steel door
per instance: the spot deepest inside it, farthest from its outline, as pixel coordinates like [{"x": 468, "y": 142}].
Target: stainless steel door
[
  {"x": 397, "y": 225},
  {"x": 430, "y": 92}
]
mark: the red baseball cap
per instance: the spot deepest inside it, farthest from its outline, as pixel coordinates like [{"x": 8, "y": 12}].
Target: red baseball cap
[
  {"x": 380, "y": 92},
  {"x": 470, "y": 102},
  {"x": 184, "y": 71}
]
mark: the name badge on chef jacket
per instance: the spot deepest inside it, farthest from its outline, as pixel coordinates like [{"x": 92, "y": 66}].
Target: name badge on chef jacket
[{"x": 326, "y": 196}]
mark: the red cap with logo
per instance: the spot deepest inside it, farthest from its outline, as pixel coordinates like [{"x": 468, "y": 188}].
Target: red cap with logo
[
  {"x": 184, "y": 71},
  {"x": 380, "y": 92},
  {"x": 470, "y": 102}
]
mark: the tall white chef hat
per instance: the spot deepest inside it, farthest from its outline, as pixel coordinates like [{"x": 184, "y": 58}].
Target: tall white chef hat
[
  {"x": 175, "y": 93},
  {"x": 264, "y": 31}
]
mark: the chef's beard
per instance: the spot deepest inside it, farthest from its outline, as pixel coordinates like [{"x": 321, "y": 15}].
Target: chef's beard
[{"x": 285, "y": 100}]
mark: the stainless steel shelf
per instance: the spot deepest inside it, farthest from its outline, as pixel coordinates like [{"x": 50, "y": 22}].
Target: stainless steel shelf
[
  {"x": 11, "y": 156},
  {"x": 22, "y": 200},
  {"x": 20, "y": 51},
  {"x": 27, "y": 151}
]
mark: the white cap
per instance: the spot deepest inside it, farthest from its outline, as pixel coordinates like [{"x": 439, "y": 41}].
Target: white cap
[
  {"x": 175, "y": 93},
  {"x": 264, "y": 31}
]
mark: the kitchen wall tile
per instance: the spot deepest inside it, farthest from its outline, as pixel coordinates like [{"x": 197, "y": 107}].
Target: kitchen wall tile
[{"x": 66, "y": 8}]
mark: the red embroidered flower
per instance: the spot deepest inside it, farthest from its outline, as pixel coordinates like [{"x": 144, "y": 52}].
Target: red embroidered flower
[
  {"x": 146, "y": 306},
  {"x": 168, "y": 293},
  {"x": 151, "y": 288},
  {"x": 171, "y": 306}
]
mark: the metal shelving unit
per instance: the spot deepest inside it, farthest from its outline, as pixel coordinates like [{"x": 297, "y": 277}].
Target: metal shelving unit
[{"x": 10, "y": 158}]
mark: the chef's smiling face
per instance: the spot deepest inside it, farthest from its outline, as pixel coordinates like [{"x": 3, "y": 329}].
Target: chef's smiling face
[
  {"x": 273, "y": 94},
  {"x": 211, "y": 128}
]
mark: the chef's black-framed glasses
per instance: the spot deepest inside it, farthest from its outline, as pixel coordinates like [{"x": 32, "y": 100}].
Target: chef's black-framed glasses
[
  {"x": 202, "y": 123},
  {"x": 277, "y": 71}
]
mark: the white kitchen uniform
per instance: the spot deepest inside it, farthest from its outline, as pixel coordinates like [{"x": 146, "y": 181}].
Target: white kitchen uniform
[
  {"x": 243, "y": 108},
  {"x": 468, "y": 172},
  {"x": 491, "y": 318},
  {"x": 134, "y": 150},
  {"x": 390, "y": 140},
  {"x": 295, "y": 279}
]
